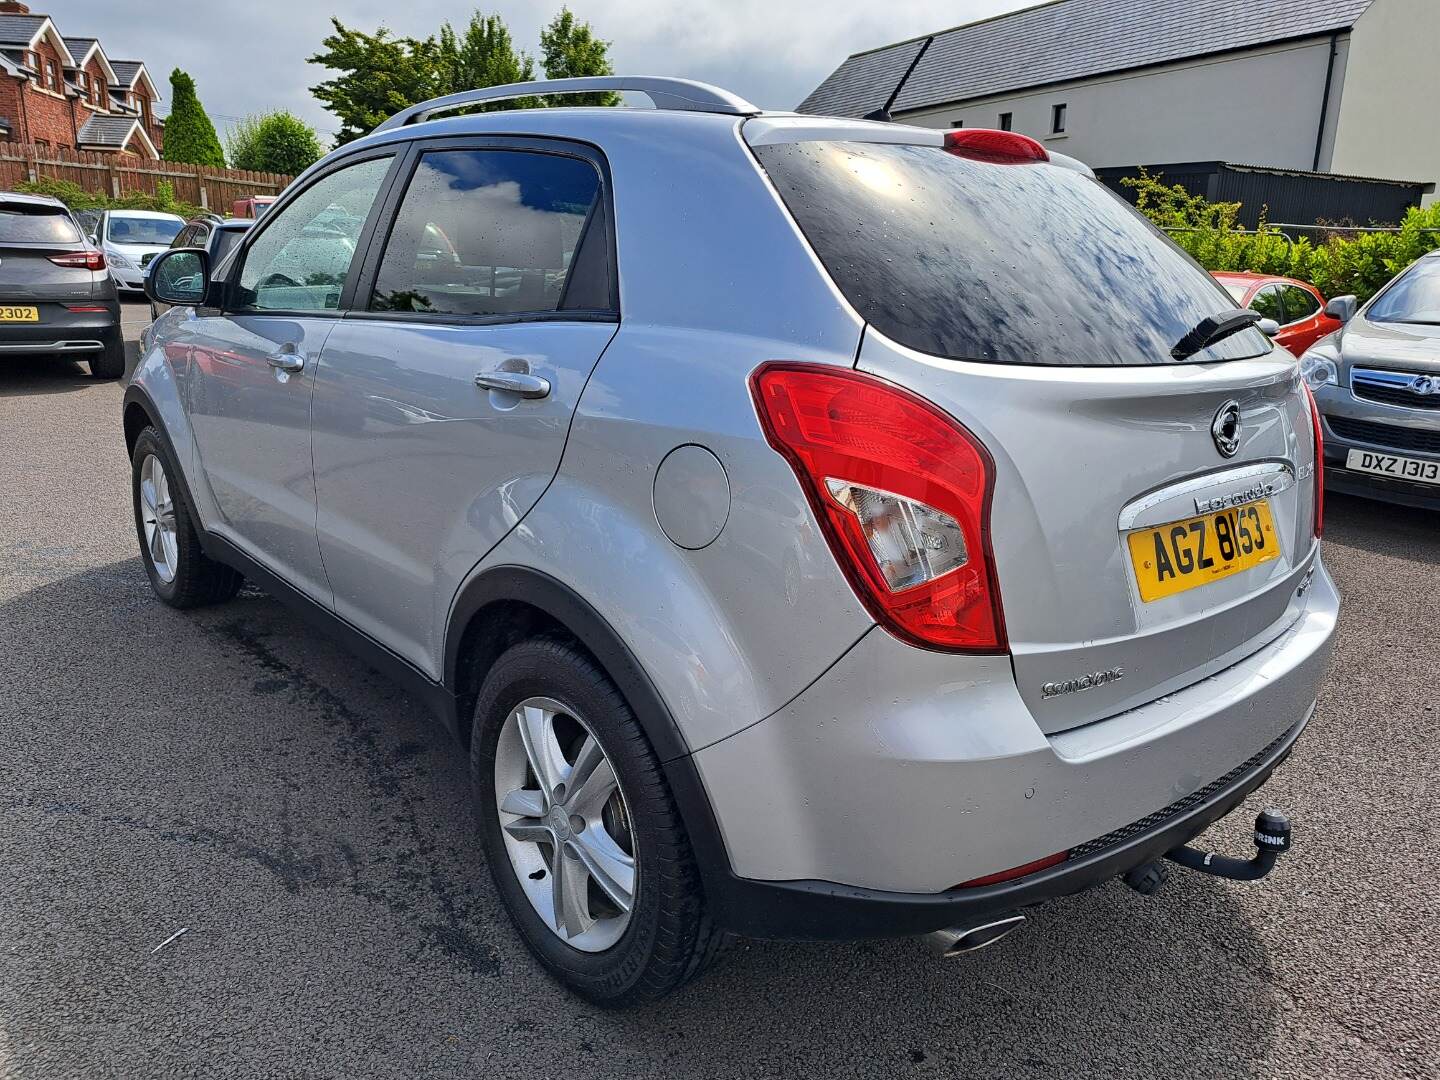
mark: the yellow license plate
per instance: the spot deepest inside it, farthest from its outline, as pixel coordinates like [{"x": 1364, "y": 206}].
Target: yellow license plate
[
  {"x": 19, "y": 314},
  {"x": 1184, "y": 555}
]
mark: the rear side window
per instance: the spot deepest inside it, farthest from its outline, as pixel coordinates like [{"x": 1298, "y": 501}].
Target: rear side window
[
  {"x": 489, "y": 232},
  {"x": 21, "y": 223},
  {"x": 1012, "y": 263},
  {"x": 1299, "y": 303}
]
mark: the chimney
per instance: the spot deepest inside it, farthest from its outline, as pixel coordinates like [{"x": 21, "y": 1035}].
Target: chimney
[{"x": 13, "y": 7}]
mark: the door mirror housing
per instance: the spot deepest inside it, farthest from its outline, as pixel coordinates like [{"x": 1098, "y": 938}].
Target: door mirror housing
[
  {"x": 179, "y": 277},
  {"x": 1342, "y": 308},
  {"x": 1268, "y": 327}
]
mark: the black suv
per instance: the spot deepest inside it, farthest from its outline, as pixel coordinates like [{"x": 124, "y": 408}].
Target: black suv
[{"x": 56, "y": 296}]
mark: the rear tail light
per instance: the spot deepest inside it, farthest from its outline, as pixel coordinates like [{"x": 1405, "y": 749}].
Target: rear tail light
[
  {"x": 88, "y": 260},
  {"x": 998, "y": 147},
  {"x": 902, "y": 492},
  {"x": 1319, "y": 460}
]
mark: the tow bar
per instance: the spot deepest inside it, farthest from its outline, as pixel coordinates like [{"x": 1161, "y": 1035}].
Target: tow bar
[{"x": 1272, "y": 839}]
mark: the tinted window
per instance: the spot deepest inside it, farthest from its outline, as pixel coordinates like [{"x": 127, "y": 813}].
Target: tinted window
[
  {"x": 486, "y": 232},
  {"x": 157, "y": 232},
  {"x": 1267, "y": 303},
  {"x": 21, "y": 223},
  {"x": 1016, "y": 263},
  {"x": 1299, "y": 303},
  {"x": 1413, "y": 298},
  {"x": 302, "y": 257},
  {"x": 224, "y": 242}
]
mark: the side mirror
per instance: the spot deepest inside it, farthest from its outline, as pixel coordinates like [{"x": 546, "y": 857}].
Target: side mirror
[
  {"x": 1268, "y": 327},
  {"x": 179, "y": 277},
  {"x": 1342, "y": 308}
]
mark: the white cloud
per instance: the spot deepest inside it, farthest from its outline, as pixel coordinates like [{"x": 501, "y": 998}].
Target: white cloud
[{"x": 251, "y": 57}]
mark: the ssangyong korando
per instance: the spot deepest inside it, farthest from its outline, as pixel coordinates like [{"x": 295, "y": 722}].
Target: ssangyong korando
[{"x": 812, "y": 528}]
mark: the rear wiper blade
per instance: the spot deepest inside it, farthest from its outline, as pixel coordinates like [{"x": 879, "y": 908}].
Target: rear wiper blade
[{"x": 1214, "y": 328}]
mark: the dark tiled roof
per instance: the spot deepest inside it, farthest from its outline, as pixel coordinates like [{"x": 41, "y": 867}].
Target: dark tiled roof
[
  {"x": 79, "y": 46},
  {"x": 107, "y": 131},
  {"x": 19, "y": 29},
  {"x": 126, "y": 70},
  {"x": 863, "y": 83},
  {"x": 1069, "y": 39}
]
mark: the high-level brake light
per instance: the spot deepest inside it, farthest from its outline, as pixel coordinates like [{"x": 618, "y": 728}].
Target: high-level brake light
[{"x": 997, "y": 147}]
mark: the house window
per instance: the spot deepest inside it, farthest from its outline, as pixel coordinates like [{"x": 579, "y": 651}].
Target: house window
[
  {"x": 957, "y": 123},
  {"x": 1057, "y": 119},
  {"x": 50, "y": 80},
  {"x": 1007, "y": 121}
]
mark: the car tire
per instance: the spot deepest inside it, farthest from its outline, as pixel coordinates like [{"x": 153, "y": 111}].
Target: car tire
[
  {"x": 109, "y": 364},
  {"x": 180, "y": 572},
  {"x": 668, "y": 937}
]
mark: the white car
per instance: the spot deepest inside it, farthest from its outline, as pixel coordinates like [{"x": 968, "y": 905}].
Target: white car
[{"x": 130, "y": 239}]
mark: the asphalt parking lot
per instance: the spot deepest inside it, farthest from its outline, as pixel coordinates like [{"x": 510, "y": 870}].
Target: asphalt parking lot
[{"x": 231, "y": 775}]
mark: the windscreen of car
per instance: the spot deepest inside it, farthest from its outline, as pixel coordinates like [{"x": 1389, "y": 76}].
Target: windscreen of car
[
  {"x": 1414, "y": 298},
  {"x": 27, "y": 223},
  {"x": 1012, "y": 263},
  {"x": 142, "y": 230},
  {"x": 1237, "y": 292}
]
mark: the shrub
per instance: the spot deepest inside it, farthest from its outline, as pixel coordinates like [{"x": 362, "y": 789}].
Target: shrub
[
  {"x": 1338, "y": 263},
  {"x": 276, "y": 142},
  {"x": 189, "y": 135},
  {"x": 77, "y": 198}
]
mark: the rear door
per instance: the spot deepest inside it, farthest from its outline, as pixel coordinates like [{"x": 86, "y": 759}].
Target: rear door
[
  {"x": 1305, "y": 321},
  {"x": 254, "y": 365},
  {"x": 1151, "y": 517},
  {"x": 443, "y": 400}
]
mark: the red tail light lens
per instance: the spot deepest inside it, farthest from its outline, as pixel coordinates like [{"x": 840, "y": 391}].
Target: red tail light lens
[
  {"x": 1319, "y": 460},
  {"x": 1016, "y": 871},
  {"x": 997, "y": 147},
  {"x": 88, "y": 260},
  {"x": 902, "y": 492}
]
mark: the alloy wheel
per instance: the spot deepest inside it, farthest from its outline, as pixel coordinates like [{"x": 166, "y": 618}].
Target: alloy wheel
[
  {"x": 565, "y": 824},
  {"x": 157, "y": 515}
]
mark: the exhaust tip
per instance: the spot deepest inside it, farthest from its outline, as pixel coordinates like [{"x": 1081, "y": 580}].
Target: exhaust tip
[{"x": 960, "y": 940}]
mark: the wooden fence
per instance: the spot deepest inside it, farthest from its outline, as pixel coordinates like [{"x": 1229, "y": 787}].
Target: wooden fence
[{"x": 115, "y": 175}]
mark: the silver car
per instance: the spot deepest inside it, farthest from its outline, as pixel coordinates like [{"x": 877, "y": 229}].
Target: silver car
[
  {"x": 811, "y": 528},
  {"x": 1377, "y": 381}
]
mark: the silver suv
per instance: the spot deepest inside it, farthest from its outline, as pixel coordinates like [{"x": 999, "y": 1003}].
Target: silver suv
[{"x": 812, "y": 528}]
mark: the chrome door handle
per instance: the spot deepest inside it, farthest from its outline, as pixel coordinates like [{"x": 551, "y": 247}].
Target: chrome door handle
[
  {"x": 514, "y": 382},
  {"x": 290, "y": 360}
]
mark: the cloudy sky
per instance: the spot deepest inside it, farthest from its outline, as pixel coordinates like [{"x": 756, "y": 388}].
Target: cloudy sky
[{"x": 250, "y": 56}]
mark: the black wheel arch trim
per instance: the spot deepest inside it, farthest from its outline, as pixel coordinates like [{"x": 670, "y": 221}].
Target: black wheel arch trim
[
  {"x": 136, "y": 396},
  {"x": 511, "y": 583}
]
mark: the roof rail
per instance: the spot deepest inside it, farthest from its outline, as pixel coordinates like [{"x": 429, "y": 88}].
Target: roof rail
[{"x": 679, "y": 95}]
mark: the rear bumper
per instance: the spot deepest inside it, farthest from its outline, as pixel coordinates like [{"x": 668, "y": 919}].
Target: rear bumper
[
  {"x": 855, "y": 810},
  {"x": 62, "y": 331},
  {"x": 819, "y": 910}
]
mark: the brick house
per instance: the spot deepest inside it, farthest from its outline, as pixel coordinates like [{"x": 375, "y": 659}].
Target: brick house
[{"x": 66, "y": 93}]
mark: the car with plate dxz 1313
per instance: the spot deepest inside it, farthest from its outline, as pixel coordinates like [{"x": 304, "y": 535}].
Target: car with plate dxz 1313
[
  {"x": 1378, "y": 385},
  {"x": 776, "y": 581}
]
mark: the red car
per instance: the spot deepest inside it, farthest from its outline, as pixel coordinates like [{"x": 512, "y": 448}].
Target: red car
[{"x": 1298, "y": 308}]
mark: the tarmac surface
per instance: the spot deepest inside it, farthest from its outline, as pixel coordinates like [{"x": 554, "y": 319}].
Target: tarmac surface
[{"x": 230, "y": 775}]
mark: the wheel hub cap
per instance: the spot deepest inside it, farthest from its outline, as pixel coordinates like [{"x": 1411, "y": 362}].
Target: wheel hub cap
[
  {"x": 565, "y": 824},
  {"x": 157, "y": 518}
]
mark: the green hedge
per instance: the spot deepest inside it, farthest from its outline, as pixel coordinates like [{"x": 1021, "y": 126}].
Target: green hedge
[
  {"x": 77, "y": 198},
  {"x": 1358, "y": 263}
]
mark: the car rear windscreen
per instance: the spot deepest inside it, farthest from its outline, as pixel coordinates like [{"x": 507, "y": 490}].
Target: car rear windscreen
[
  {"x": 1011, "y": 263},
  {"x": 25, "y": 223}
]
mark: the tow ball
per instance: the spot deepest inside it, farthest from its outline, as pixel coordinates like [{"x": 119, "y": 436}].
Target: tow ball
[{"x": 1272, "y": 839}]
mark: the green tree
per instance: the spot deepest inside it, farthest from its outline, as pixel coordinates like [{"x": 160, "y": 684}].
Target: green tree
[
  {"x": 484, "y": 56},
  {"x": 277, "y": 142},
  {"x": 570, "y": 50},
  {"x": 189, "y": 135},
  {"x": 378, "y": 76}
]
